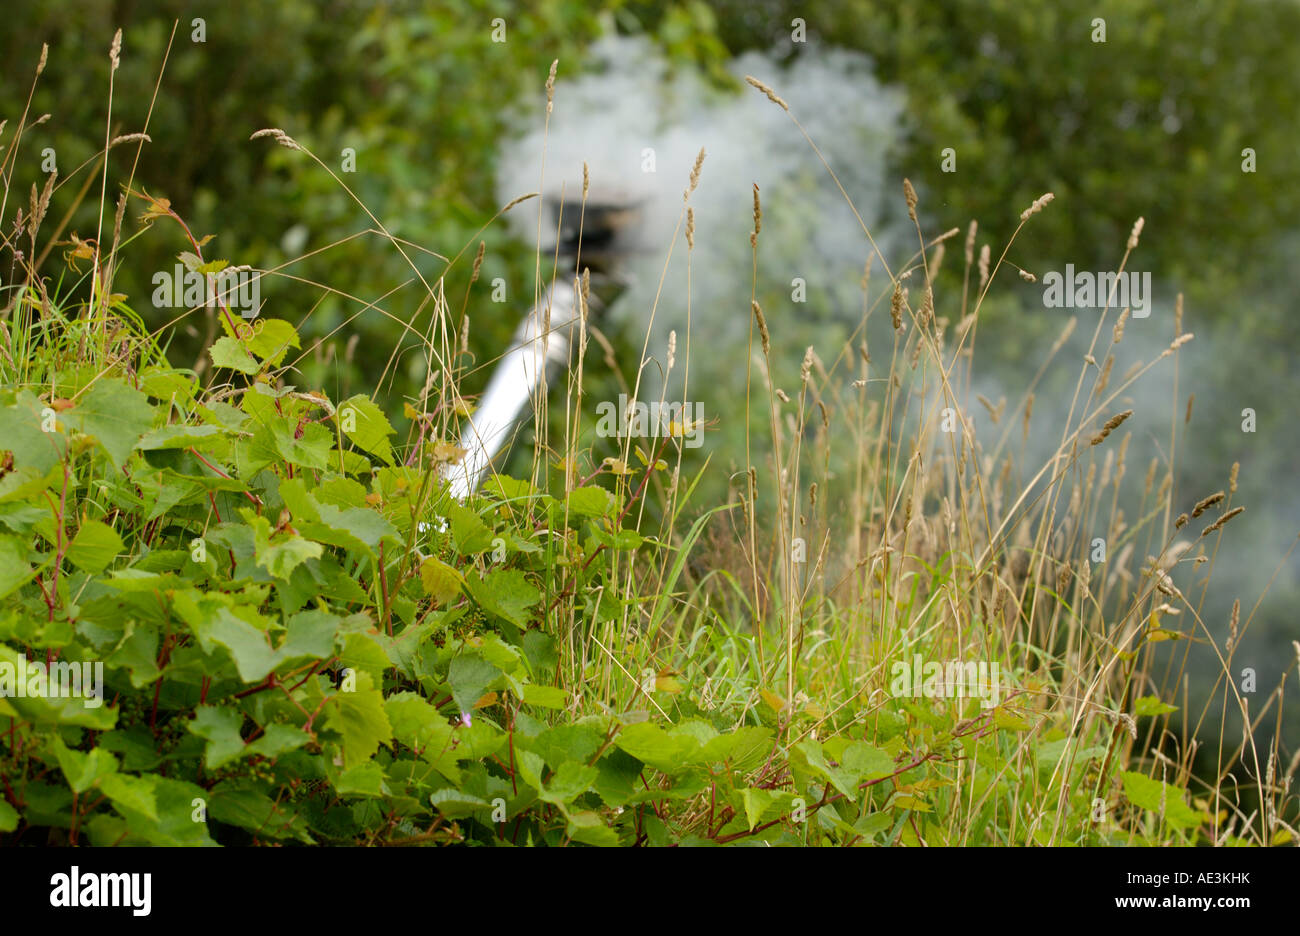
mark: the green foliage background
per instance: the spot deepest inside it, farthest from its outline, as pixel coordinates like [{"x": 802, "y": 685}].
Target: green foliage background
[{"x": 1150, "y": 123}]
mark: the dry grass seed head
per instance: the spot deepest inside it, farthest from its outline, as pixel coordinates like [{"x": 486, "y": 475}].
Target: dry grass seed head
[
  {"x": 1037, "y": 206},
  {"x": 771, "y": 95},
  {"x": 762, "y": 325}
]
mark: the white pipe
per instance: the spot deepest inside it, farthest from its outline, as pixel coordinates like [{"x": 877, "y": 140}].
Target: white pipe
[{"x": 519, "y": 376}]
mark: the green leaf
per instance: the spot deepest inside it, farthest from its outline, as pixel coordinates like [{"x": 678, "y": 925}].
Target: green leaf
[
  {"x": 743, "y": 749},
  {"x": 865, "y": 762},
  {"x": 116, "y": 415},
  {"x": 360, "y": 718},
  {"x": 568, "y": 783},
  {"x": 756, "y": 803},
  {"x": 276, "y": 740},
  {"x": 591, "y": 501},
  {"x": 21, "y": 422},
  {"x": 505, "y": 593},
  {"x": 8, "y": 817},
  {"x": 219, "y": 726},
  {"x": 472, "y": 536},
  {"x": 216, "y": 625},
  {"x": 1160, "y": 797},
  {"x": 137, "y": 652},
  {"x": 454, "y": 804},
  {"x": 551, "y": 697},
  {"x": 272, "y": 339},
  {"x": 83, "y": 769},
  {"x": 366, "y": 425},
  {"x": 14, "y": 567},
  {"x": 360, "y": 652},
  {"x": 180, "y": 437},
  {"x": 415, "y": 722},
  {"x": 842, "y": 779},
  {"x": 650, "y": 744},
  {"x": 158, "y": 810},
  {"x": 470, "y": 676},
  {"x": 284, "y": 555},
  {"x": 240, "y": 803},
  {"x": 586, "y": 827},
  {"x": 233, "y": 354},
  {"x": 212, "y": 266},
  {"x": 1151, "y": 705},
  {"x": 94, "y": 547},
  {"x": 131, "y": 794}
]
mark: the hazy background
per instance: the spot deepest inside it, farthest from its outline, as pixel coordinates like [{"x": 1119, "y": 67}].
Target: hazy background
[{"x": 446, "y": 127}]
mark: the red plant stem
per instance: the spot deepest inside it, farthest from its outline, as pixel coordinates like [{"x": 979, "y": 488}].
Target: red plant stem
[
  {"x": 251, "y": 496},
  {"x": 383, "y": 586},
  {"x": 269, "y": 683}
]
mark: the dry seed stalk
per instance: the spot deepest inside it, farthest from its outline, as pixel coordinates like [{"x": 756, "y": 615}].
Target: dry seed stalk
[
  {"x": 550, "y": 87},
  {"x": 771, "y": 95},
  {"x": 1137, "y": 232},
  {"x": 695, "y": 172},
  {"x": 1037, "y": 206},
  {"x": 478, "y": 262},
  {"x": 1218, "y": 524},
  {"x": 1206, "y": 504},
  {"x": 1118, "y": 332},
  {"x": 1111, "y": 425},
  {"x": 762, "y": 326}
]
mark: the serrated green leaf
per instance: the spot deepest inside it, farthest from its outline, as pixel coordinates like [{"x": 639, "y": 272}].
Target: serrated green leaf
[
  {"x": 83, "y": 769},
  {"x": 219, "y": 726},
  {"x": 366, "y": 425},
  {"x": 1161, "y": 798},
  {"x": 506, "y": 593},
  {"x": 271, "y": 340},
  {"x": 116, "y": 415},
  {"x": 360, "y": 718},
  {"x": 233, "y": 354},
  {"x": 94, "y": 547},
  {"x": 590, "y": 501},
  {"x": 286, "y": 553}
]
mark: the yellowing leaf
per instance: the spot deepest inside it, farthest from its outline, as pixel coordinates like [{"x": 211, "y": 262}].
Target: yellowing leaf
[
  {"x": 667, "y": 682},
  {"x": 441, "y": 582}
]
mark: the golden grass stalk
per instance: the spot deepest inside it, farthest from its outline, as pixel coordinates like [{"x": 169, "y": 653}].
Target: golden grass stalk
[
  {"x": 1218, "y": 524},
  {"x": 762, "y": 326},
  {"x": 1207, "y": 503},
  {"x": 771, "y": 95},
  {"x": 1111, "y": 425}
]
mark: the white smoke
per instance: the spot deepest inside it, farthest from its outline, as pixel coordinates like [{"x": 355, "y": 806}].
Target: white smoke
[{"x": 632, "y": 113}]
